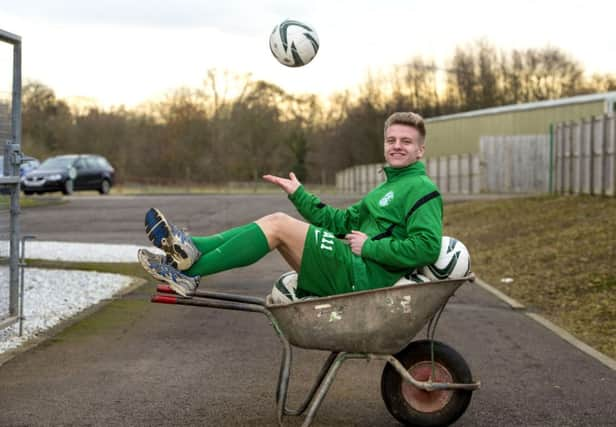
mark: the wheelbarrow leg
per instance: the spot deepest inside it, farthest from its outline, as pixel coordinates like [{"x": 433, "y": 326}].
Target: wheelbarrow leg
[
  {"x": 283, "y": 379},
  {"x": 324, "y": 388}
]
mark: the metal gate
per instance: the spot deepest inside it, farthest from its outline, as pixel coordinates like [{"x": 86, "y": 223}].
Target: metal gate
[{"x": 10, "y": 144}]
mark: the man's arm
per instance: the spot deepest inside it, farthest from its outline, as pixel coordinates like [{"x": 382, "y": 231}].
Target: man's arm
[
  {"x": 424, "y": 230},
  {"x": 338, "y": 221}
]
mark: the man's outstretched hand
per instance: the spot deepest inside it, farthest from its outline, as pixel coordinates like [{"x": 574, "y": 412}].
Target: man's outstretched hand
[{"x": 288, "y": 185}]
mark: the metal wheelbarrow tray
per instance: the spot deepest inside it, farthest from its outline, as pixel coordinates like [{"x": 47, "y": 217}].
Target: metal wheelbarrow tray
[{"x": 424, "y": 383}]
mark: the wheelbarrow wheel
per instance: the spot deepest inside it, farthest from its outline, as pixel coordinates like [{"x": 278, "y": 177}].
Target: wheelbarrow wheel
[{"x": 415, "y": 407}]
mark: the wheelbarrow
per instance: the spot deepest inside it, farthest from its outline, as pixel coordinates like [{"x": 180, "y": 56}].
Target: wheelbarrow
[{"x": 424, "y": 383}]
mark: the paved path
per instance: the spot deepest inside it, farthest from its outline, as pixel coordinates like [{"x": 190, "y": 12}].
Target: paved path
[{"x": 136, "y": 363}]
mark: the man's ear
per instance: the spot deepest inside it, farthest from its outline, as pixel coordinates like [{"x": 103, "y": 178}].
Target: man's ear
[{"x": 421, "y": 151}]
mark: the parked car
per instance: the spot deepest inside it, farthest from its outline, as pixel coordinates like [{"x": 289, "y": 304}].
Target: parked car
[
  {"x": 70, "y": 173},
  {"x": 27, "y": 164}
]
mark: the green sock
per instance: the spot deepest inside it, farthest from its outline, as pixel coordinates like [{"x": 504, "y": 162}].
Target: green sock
[
  {"x": 207, "y": 244},
  {"x": 245, "y": 248}
]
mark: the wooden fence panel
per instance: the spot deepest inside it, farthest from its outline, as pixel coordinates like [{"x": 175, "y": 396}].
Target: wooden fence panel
[
  {"x": 610, "y": 156},
  {"x": 453, "y": 163},
  {"x": 557, "y": 178},
  {"x": 516, "y": 164},
  {"x": 584, "y": 156},
  {"x": 465, "y": 174},
  {"x": 597, "y": 151},
  {"x": 458, "y": 173},
  {"x": 442, "y": 180},
  {"x": 584, "y": 161},
  {"x": 475, "y": 162},
  {"x": 566, "y": 156}
]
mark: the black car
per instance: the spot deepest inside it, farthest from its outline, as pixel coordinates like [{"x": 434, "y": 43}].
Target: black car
[{"x": 70, "y": 173}]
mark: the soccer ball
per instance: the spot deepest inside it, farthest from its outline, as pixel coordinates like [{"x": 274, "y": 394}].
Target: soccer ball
[
  {"x": 412, "y": 278},
  {"x": 284, "y": 289},
  {"x": 454, "y": 261},
  {"x": 294, "y": 43}
]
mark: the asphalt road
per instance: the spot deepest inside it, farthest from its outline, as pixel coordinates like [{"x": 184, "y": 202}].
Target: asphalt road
[{"x": 134, "y": 363}]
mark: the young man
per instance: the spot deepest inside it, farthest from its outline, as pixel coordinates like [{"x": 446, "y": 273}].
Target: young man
[{"x": 394, "y": 229}]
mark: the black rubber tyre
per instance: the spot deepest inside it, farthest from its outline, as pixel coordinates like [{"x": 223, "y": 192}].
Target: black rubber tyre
[
  {"x": 414, "y": 407},
  {"x": 28, "y": 193},
  {"x": 105, "y": 187},
  {"x": 68, "y": 187}
]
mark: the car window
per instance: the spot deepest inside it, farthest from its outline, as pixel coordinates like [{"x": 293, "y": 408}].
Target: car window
[
  {"x": 103, "y": 162},
  {"x": 80, "y": 163},
  {"x": 60, "y": 162},
  {"x": 92, "y": 163}
]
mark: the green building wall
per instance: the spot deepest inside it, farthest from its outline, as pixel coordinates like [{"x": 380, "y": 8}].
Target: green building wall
[{"x": 460, "y": 133}]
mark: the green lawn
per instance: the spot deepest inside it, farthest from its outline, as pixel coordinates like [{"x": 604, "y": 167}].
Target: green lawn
[
  {"x": 28, "y": 202},
  {"x": 559, "y": 251}
]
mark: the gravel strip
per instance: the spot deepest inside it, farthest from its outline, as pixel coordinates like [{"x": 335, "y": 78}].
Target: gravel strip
[{"x": 51, "y": 296}]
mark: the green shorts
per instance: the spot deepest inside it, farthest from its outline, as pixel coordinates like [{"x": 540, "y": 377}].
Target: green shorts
[{"x": 327, "y": 265}]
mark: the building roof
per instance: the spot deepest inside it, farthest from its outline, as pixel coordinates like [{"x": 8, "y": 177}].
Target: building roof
[{"x": 581, "y": 99}]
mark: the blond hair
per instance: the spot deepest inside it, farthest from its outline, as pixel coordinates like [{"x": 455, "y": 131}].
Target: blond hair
[{"x": 409, "y": 119}]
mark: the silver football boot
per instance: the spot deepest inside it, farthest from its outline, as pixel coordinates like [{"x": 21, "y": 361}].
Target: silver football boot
[{"x": 171, "y": 239}]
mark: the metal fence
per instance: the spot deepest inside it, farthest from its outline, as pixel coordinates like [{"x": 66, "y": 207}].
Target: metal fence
[
  {"x": 10, "y": 143},
  {"x": 584, "y": 156}
]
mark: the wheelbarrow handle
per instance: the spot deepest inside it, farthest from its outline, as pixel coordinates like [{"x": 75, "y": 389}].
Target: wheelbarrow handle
[
  {"x": 213, "y": 303},
  {"x": 164, "y": 299},
  {"x": 166, "y": 289}
]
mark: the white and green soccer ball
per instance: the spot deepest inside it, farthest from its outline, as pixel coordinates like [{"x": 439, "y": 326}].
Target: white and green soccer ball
[
  {"x": 412, "y": 278},
  {"x": 454, "y": 261},
  {"x": 285, "y": 288},
  {"x": 294, "y": 43}
]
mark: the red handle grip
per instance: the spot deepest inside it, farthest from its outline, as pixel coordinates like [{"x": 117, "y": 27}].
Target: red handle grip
[
  {"x": 164, "y": 299},
  {"x": 165, "y": 289}
]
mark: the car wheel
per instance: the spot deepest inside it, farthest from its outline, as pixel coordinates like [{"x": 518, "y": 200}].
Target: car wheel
[
  {"x": 105, "y": 187},
  {"x": 27, "y": 193},
  {"x": 69, "y": 187}
]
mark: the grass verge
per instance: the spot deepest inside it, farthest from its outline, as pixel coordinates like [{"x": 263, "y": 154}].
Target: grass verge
[
  {"x": 126, "y": 268},
  {"x": 30, "y": 202},
  {"x": 559, "y": 251}
]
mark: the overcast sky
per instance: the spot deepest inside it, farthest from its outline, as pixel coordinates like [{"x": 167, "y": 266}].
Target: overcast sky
[{"x": 126, "y": 52}]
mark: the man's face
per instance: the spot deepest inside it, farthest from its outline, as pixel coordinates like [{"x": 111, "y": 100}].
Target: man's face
[{"x": 403, "y": 145}]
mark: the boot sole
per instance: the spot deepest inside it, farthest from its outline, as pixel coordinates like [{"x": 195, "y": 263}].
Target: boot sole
[{"x": 176, "y": 288}]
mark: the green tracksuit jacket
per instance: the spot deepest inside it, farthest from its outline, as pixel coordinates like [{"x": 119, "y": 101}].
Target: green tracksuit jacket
[{"x": 402, "y": 217}]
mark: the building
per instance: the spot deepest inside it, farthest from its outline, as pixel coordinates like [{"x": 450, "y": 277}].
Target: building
[{"x": 460, "y": 133}]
